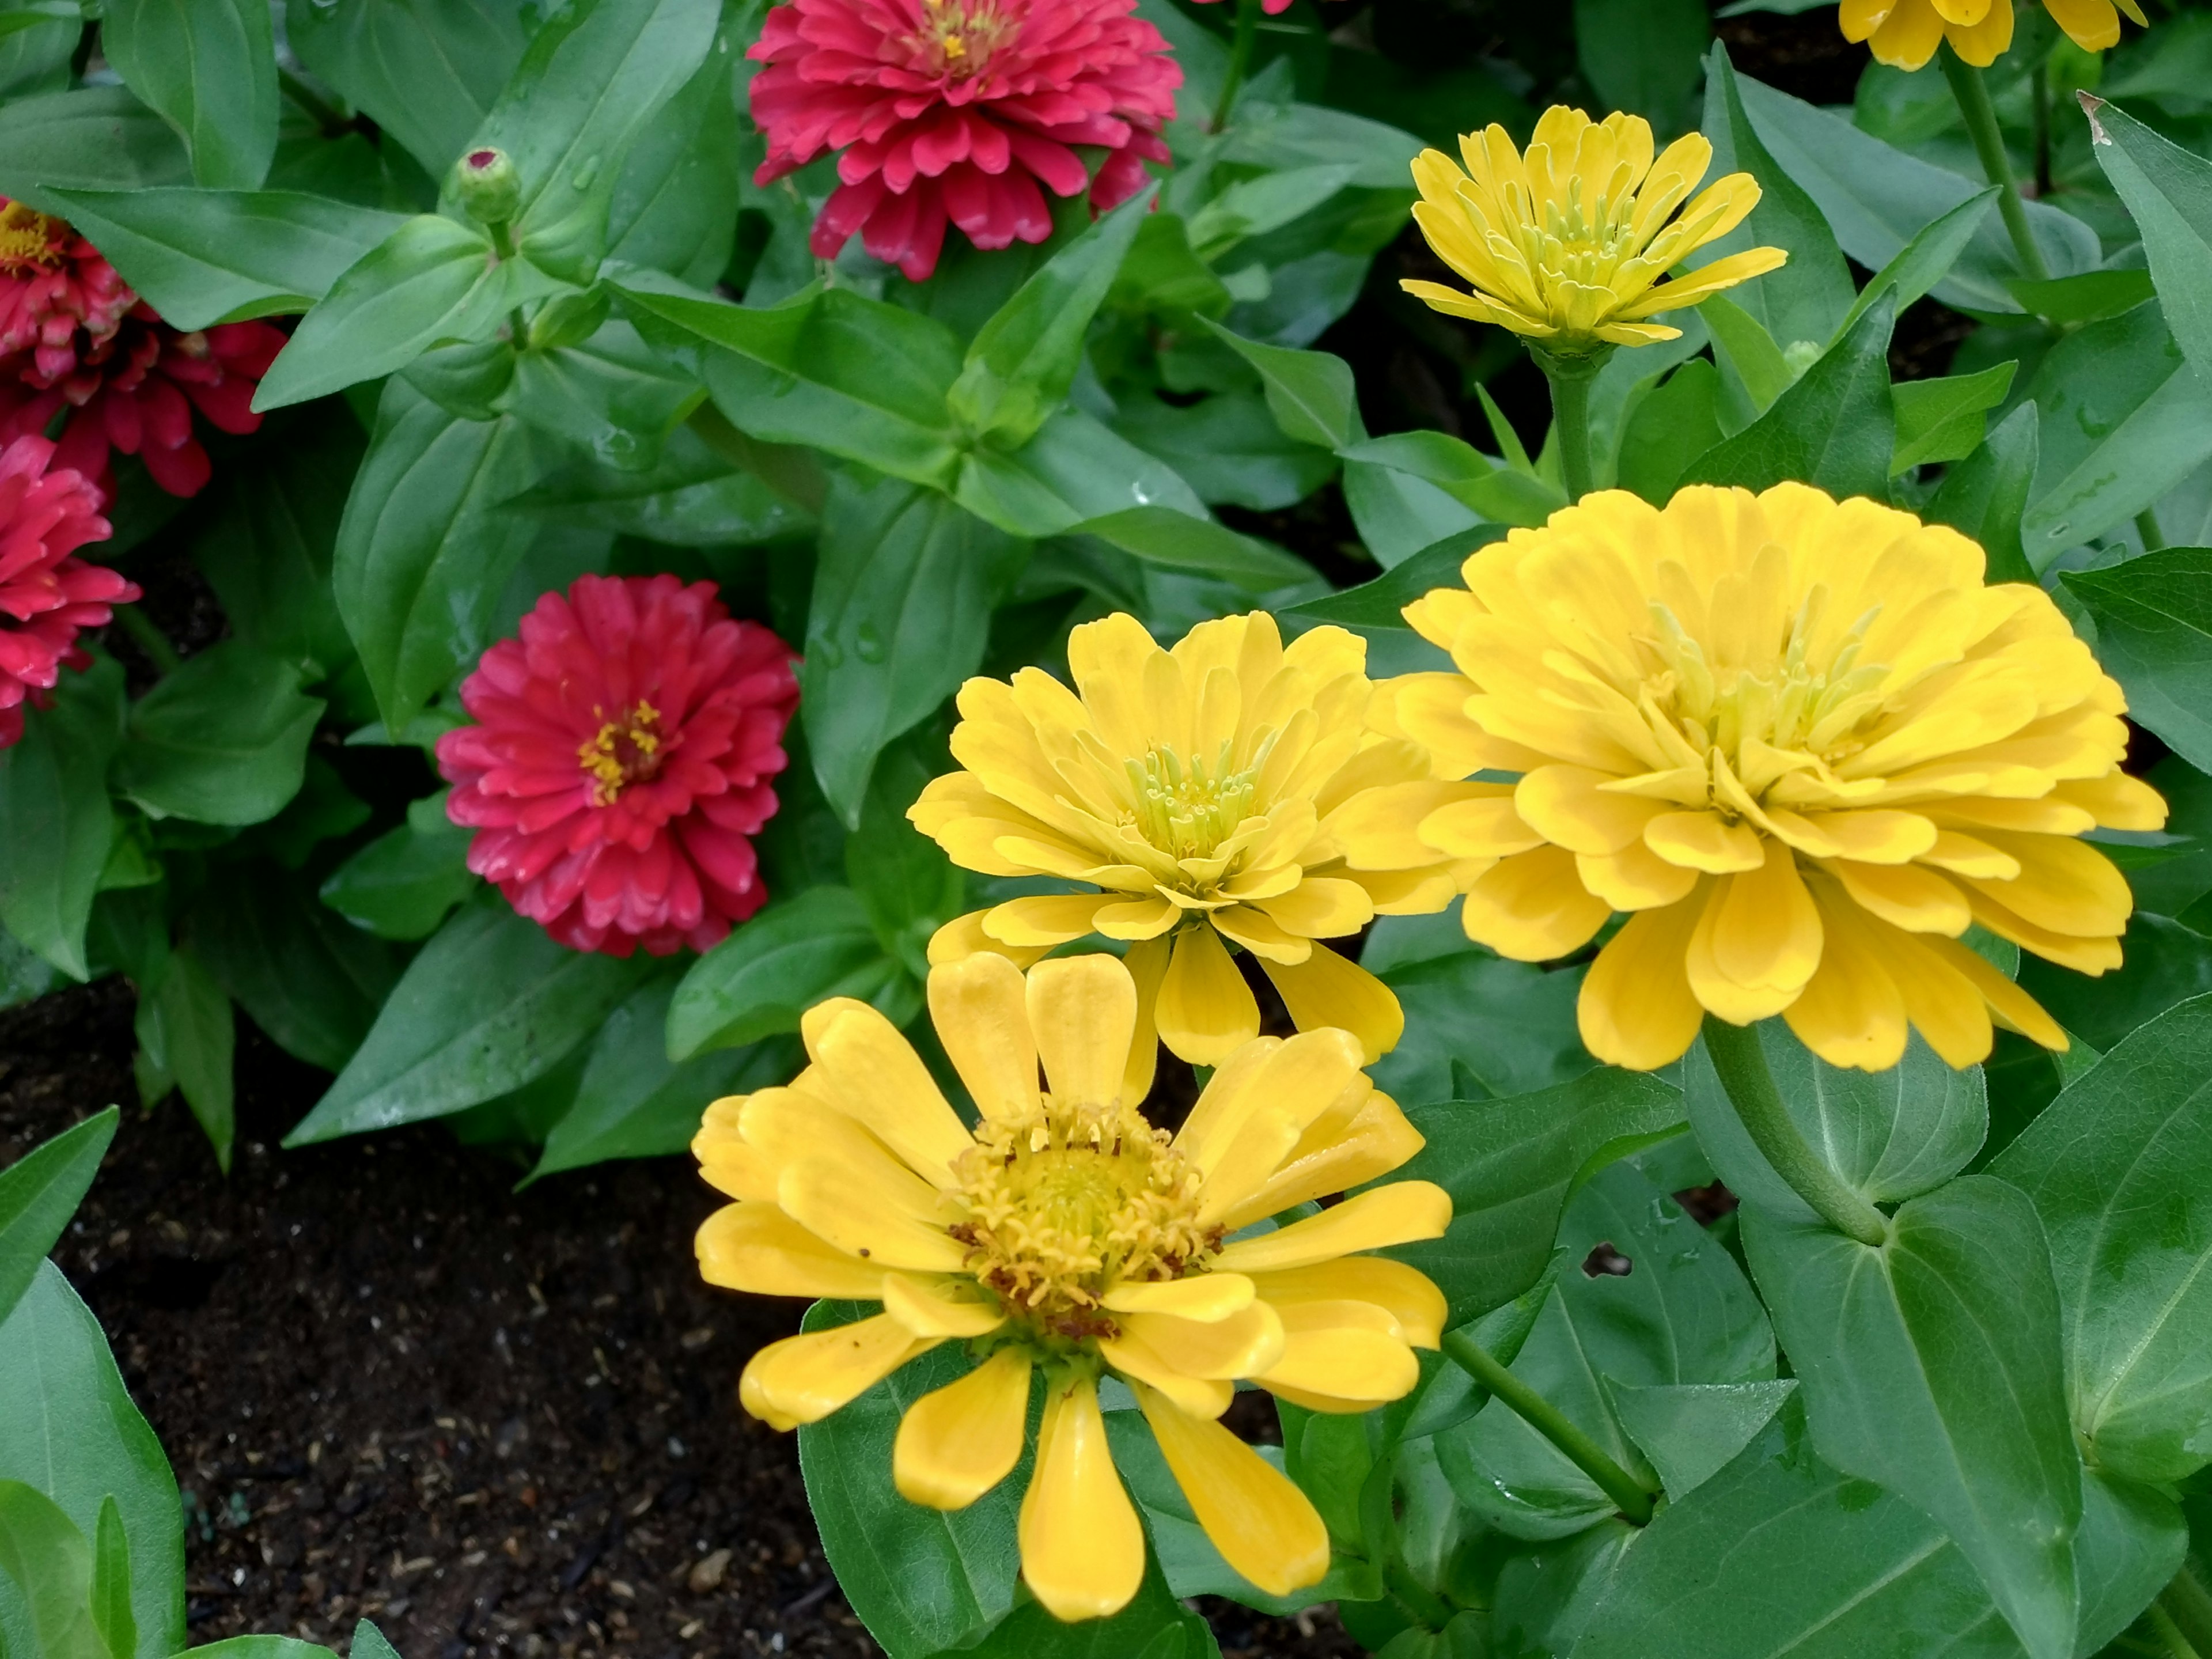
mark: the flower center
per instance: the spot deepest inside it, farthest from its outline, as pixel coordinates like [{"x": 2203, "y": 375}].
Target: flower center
[
  {"x": 1187, "y": 808},
  {"x": 29, "y": 240},
  {"x": 957, "y": 36},
  {"x": 1579, "y": 243},
  {"x": 1071, "y": 1200},
  {"x": 623, "y": 751}
]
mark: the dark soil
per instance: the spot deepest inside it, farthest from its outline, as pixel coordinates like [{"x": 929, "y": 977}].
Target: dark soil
[{"x": 394, "y": 1388}]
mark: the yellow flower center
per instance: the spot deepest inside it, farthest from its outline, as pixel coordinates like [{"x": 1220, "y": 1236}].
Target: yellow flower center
[
  {"x": 621, "y": 752},
  {"x": 1578, "y": 244},
  {"x": 1072, "y": 1200},
  {"x": 958, "y": 39},
  {"x": 29, "y": 240},
  {"x": 1187, "y": 808}
]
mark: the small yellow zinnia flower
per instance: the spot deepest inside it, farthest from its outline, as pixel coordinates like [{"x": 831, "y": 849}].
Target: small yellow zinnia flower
[
  {"x": 1566, "y": 244},
  {"x": 1230, "y": 789},
  {"x": 1802, "y": 744},
  {"x": 1905, "y": 33},
  {"x": 1065, "y": 1236}
]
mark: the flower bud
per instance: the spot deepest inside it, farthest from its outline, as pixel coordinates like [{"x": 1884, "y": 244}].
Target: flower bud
[{"x": 487, "y": 185}]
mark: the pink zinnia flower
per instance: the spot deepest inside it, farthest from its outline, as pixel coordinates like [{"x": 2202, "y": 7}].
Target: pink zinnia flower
[
  {"x": 959, "y": 110},
  {"x": 622, "y": 762},
  {"x": 45, "y": 595}
]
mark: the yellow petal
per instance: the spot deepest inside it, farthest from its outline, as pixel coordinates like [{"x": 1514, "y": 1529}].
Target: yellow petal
[
  {"x": 1205, "y": 1009},
  {"x": 802, "y": 1379},
  {"x": 1376, "y": 1141},
  {"x": 1321, "y": 907},
  {"x": 1353, "y": 1350},
  {"x": 1566, "y": 806},
  {"x": 2014, "y": 1007},
  {"x": 1147, "y": 964},
  {"x": 878, "y": 1080},
  {"x": 1907, "y": 896},
  {"x": 725, "y": 1162},
  {"x": 1533, "y": 908},
  {"x": 1705, "y": 841},
  {"x": 1260, "y": 934},
  {"x": 964, "y": 937},
  {"x": 1255, "y": 1109},
  {"x": 1083, "y": 1011},
  {"x": 1635, "y": 878},
  {"x": 949, "y": 1306},
  {"x": 1488, "y": 826},
  {"x": 1636, "y": 1008},
  {"x": 1044, "y": 920},
  {"x": 1851, "y": 1012},
  {"x": 1215, "y": 1350},
  {"x": 1406, "y": 1293},
  {"x": 980, "y": 1009},
  {"x": 956, "y": 1443},
  {"x": 755, "y": 1246},
  {"x": 1329, "y": 989},
  {"x": 1201, "y": 1397},
  {"x": 1263, "y": 1525},
  {"x": 1381, "y": 1216},
  {"x": 873, "y": 1209},
  {"x": 1205, "y": 1298},
  {"x": 1083, "y": 1550}
]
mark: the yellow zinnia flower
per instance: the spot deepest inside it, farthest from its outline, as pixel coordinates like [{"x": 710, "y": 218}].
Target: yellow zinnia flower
[
  {"x": 1065, "y": 1235},
  {"x": 1804, "y": 744},
  {"x": 1905, "y": 33},
  {"x": 1566, "y": 244},
  {"x": 1231, "y": 788}
]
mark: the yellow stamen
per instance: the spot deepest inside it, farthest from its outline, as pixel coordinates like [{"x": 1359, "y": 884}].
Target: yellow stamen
[
  {"x": 29, "y": 240},
  {"x": 621, "y": 752}
]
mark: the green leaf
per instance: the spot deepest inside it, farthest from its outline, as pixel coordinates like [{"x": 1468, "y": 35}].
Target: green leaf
[
  {"x": 490, "y": 1003},
  {"x": 1310, "y": 392},
  {"x": 829, "y": 368},
  {"x": 901, "y": 612},
  {"x": 1903, "y": 1351},
  {"x": 2132, "y": 1542},
  {"x": 1382, "y": 603},
  {"x": 264, "y": 1647},
  {"x": 56, "y": 824},
  {"x": 2154, "y": 636},
  {"x": 1670, "y": 429},
  {"x": 209, "y": 68},
  {"x": 38, "y": 1194},
  {"x": 1742, "y": 345},
  {"x": 922, "y": 1580},
  {"x": 1923, "y": 262},
  {"x": 1692, "y": 1430},
  {"x": 590, "y": 83},
  {"x": 689, "y": 497},
  {"x": 25, "y": 976},
  {"x": 404, "y": 884},
  {"x": 2166, "y": 962},
  {"x": 111, "y": 1582},
  {"x": 1278, "y": 136},
  {"x": 1833, "y": 427},
  {"x": 608, "y": 395},
  {"x": 1177, "y": 541},
  {"x": 308, "y": 979},
  {"x": 675, "y": 207},
  {"x": 1074, "y": 470},
  {"x": 368, "y": 1643},
  {"x": 1154, "y": 1626},
  {"x": 187, "y": 1035},
  {"x": 1252, "y": 207},
  {"x": 1229, "y": 449},
  {"x": 902, "y": 878},
  {"x": 92, "y": 138},
  {"x": 426, "y": 71},
  {"x": 1480, "y": 1027},
  {"x": 1986, "y": 495},
  {"x": 201, "y": 257},
  {"x": 2088, "y": 298},
  {"x": 1510, "y": 1165},
  {"x": 35, "y": 53},
  {"x": 68, "y": 1428},
  {"x": 42, "y": 1550},
  {"x": 1022, "y": 362},
  {"x": 423, "y": 551},
  {"x": 2119, "y": 1168},
  {"x": 223, "y": 739},
  {"x": 758, "y": 982},
  {"x": 2169, "y": 193},
  {"x": 1644, "y": 56},
  {"x": 1941, "y": 420}
]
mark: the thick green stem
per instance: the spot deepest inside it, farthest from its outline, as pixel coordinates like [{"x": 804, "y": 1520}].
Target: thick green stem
[
  {"x": 2169, "y": 1634},
  {"x": 1570, "y": 378},
  {"x": 1548, "y": 1420},
  {"x": 1240, "y": 61},
  {"x": 1742, "y": 1064},
  {"x": 2185, "y": 1602},
  {"x": 148, "y": 639},
  {"x": 502, "y": 244},
  {"x": 2147, "y": 526},
  {"x": 1973, "y": 95},
  {"x": 1423, "y": 1603}
]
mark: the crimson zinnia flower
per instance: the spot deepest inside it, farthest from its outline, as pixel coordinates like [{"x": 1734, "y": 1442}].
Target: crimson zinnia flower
[
  {"x": 46, "y": 595},
  {"x": 959, "y": 110},
  {"x": 76, "y": 341},
  {"x": 622, "y": 762}
]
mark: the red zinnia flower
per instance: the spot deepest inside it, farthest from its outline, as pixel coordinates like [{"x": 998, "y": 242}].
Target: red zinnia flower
[
  {"x": 76, "y": 341},
  {"x": 621, "y": 763},
  {"x": 958, "y": 109},
  {"x": 45, "y": 595}
]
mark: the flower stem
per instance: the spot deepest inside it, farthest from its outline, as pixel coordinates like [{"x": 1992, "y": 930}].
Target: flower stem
[
  {"x": 1548, "y": 1420},
  {"x": 2177, "y": 1645},
  {"x": 2147, "y": 526},
  {"x": 1570, "y": 378},
  {"x": 1240, "y": 60},
  {"x": 148, "y": 639},
  {"x": 1742, "y": 1064},
  {"x": 2185, "y": 1602},
  {"x": 1973, "y": 95}
]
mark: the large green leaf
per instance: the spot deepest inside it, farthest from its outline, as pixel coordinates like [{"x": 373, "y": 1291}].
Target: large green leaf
[
  {"x": 1477, "y": 1026},
  {"x": 1834, "y": 428},
  {"x": 1077, "y": 471},
  {"x": 608, "y": 395},
  {"x": 423, "y": 551},
  {"x": 1931, "y": 1363},
  {"x": 201, "y": 257},
  {"x": 1986, "y": 495},
  {"x": 111, "y": 1582},
  {"x": 2154, "y": 636},
  {"x": 1382, "y": 603},
  {"x": 2119, "y": 1168},
  {"x": 2168, "y": 192},
  {"x": 188, "y": 1038},
  {"x": 223, "y": 739},
  {"x": 47, "y": 1556},
  {"x": 491, "y": 1003},
  {"x": 675, "y": 207},
  {"x": 1311, "y": 393},
  {"x": 309, "y": 980},
  {"x": 56, "y": 824},
  {"x": 404, "y": 884},
  {"x": 426, "y": 71},
  {"x": 1228, "y": 448},
  {"x": 1923, "y": 262},
  {"x": 1944, "y": 419},
  {"x": 1643, "y": 55},
  {"x": 208, "y": 68},
  {"x": 1670, "y": 429},
  {"x": 758, "y": 982},
  {"x": 92, "y": 138},
  {"x": 2166, "y": 962},
  {"x": 1155, "y": 1625},
  {"x": 1690, "y": 1431},
  {"x": 38, "y": 1194},
  {"x": 68, "y": 1428}
]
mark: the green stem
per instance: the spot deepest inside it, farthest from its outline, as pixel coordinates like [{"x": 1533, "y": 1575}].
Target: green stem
[
  {"x": 2170, "y": 1636},
  {"x": 502, "y": 244},
  {"x": 1973, "y": 95},
  {"x": 1569, "y": 379},
  {"x": 326, "y": 117},
  {"x": 2147, "y": 526},
  {"x": 1240, "y": 60},
  {"x": 148, "y": 639},
  {"x": 1425, "y": 1605},
  {"x": 1548, "y": 1420},
  {"x": 2185, "y": 1602},
  {"x": 1742, "y": 1064}
]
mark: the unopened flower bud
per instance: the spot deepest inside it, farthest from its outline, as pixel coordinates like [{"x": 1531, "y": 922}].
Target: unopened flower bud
[{"x": 488, "y": 187}]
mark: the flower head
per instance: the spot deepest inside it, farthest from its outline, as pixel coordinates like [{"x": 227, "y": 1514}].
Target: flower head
[
  {"x": 1905, "y": 33},
  {"x": 46, "y": 595},
  {"x": 1065, "y": 1235},
  {"x": 1566, "y": 244},
  {"x": 53, "y": 286},
  {"x": 1231, "y": 790},
  {"x": 622, "y": 759},
  {"x": 959, "y": 110},
  {"x": 1802, "y": 744}
]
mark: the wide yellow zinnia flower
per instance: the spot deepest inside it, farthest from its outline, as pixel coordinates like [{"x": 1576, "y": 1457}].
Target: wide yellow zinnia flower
[
  {"x": 1566, "y": 244},
  {"x": 1802, "y": 744},
  {"x": 1905, "y": 33},
  {"x": 1065, "y": 1236},
  {"x": 1232, "y": 789}
]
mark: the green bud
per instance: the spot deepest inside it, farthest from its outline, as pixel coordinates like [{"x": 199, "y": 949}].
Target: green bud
[{"x": 487, "y": 185}]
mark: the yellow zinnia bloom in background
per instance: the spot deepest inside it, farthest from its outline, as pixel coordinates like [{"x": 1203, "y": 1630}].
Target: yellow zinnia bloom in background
[
  {"x": 1566, "y": 244},
  {"x": 1804, "y": 744},
  {"x": 1065, "y": 1235},
  {"x": 1905, "y": 33},
  {"x": 1230, "y": 789}
]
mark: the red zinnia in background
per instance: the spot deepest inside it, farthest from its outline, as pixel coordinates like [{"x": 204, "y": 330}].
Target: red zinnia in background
[
  {"x": 76, "y": 341},
  {"x": 959, "y": 110},
  {"x": 622, "y": 759},
  {"x": 46, "y": 595}
]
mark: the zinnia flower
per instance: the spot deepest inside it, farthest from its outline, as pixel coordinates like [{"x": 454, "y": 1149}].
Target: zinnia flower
[
  {"x": 1065, "y": 1235},
  {"x": 1232, "y": 789},
  {"x": 76, "y": 341},
  {"x": 623, "y": 760},
  {"x": 46, "y": 595},
  {"x": 959, "y": 110},
  {"x": 1566, "y": 244},
  {"x": 1905, "y": 33},
  {"x": 1803, "y": 745}
]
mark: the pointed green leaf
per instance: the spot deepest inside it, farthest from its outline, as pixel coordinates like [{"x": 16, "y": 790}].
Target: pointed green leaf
[
  {"x": 1670, "y": 429},
  {"x": 209, "y": 67},
  {"x": 92, "y": 138},
  {"x": 1382, "y": 603},
  {"x": 1986, "y": 495},
  {"x": 426, "y": 71},
  {"x": 404, "y": 884},
  {"x": 38, "y": 1194},
  {"x": 1941, "y": 420},
  {"x": 758, "y": 982},
  {"x": 1923, "y": 262},
  {"x": 56, "y": 824},
  {"x": 187, "y": 1035},
  {"x": 312, "y": 983},
  {"x": 2155, "y": 634},
  {"x": 223, "y": 739},
  {"x": 2169, "y": 193},
  {"x": 1310, "y": 392},
  {"x": 1692, "y": 1430},
  {"x": 111, "y": 1582},
  {"x": 44, "y": 1552},
  {"x": 1834, "y": 428}
]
